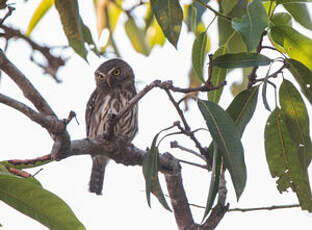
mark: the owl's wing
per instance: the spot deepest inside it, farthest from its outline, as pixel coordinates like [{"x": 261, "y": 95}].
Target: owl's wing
[{"x": 89, "y": 110}]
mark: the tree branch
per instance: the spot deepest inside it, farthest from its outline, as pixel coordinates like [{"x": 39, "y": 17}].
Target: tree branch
[{"x": 274, "y": 207}]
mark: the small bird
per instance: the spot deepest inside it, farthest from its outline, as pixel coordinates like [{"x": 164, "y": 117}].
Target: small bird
[{"x": 114, "y": 88}]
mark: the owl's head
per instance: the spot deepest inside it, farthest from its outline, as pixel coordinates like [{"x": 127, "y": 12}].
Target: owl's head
[{"x": 113, "y": 73}]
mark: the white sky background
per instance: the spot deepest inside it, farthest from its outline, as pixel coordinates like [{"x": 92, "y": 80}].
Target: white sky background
[{"x": 123, "y": 204}]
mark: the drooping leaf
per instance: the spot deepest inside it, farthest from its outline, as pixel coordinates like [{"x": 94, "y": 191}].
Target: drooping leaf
[
  {"x": 252, "y": 25},
  {"x": 281, "y": 18},
  {"x": 43, "y": 7},
  {"x": 303, "y": 76},
  {"x": 283, "y": 159},
  {"x": 198, "y": 54},
  {"x": 70, "y": 18},
  {"x": 214, "y": 181},
  {"x": 241, "y": 110},
  {"x": 169, "y": 16},
  {"x": 37, "y": 203},
  {"x": 296, "y": 45},
  {"x": 227, "y": 138},
  {"x": 150, "y": 172},
  {"x": 297, "y": 120},
  {"x": 218, "y": 76},
  {"x": 89, "y": 39},
  {"x": 241, "y": 60},
  {"x": 154, "y": 35},
  {"x": 107, "y": 14},
  {"x": 137, "y": 37},
  {"x": 300, "y": 13}
]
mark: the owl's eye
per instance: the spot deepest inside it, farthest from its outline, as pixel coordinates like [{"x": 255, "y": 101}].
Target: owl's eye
[
  {"x": 100, "y": 76},
  {"x": 116, "y": 72}
]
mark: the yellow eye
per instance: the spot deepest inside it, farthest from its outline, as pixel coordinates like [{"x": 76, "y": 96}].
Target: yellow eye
[
  {"x": 100, "y": 76},
  {"x": 116, "y": 72}
]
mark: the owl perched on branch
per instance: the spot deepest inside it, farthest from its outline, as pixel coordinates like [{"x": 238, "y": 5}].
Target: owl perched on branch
[{"x": 114, "y": 88}]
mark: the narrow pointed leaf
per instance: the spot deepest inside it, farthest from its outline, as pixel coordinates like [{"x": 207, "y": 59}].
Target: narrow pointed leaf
[
  {"x": 150, "y": 172},
  {"x": 218, "y": 76},
  {"x": 70, "y": 18},
  {"x": 283, "y": 159},
  {"x": 43, "y": 7},
  {"x": 37, "y": 203},
  {"x": 214, "y": 181},
  {"x": 252, "y": 24},
  {"x": 137, "y": 37},
  {"x": 297, "y": 120},
  {"x": 198, "y": 54},
  {"x": 241, "y": 60},
  {"x": 227, "y": 138},
  {"x": 303, "y": 76},
  {"x": 296, "y": 45},
  {"x": 169, "y": 16},
  {"x": 241, "y": 110},
  {"x": 300, "y": 13}
]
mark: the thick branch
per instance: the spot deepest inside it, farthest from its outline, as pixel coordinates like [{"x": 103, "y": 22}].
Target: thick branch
[
  {"x": 40, "y": 119},
  {"x": 182, "y": 211}
]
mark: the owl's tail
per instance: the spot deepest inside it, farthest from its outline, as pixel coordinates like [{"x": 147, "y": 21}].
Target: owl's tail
[{"x": 97, "y": 174}]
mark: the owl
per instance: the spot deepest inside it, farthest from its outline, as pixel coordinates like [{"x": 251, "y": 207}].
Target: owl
[{"x": 114, "y": 88}]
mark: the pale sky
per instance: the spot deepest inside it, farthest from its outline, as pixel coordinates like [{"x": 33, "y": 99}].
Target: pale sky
[{"x": 123, "y": 204}]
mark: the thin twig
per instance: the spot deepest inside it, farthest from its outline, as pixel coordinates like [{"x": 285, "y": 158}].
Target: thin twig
[
  {"x": 193, "y": 164},
  {"x": 176, "y": 105},
  {"x": 174, "y": 144},
  {"x": 9, "y": 13},
  {"x": 274, "y": 207}
]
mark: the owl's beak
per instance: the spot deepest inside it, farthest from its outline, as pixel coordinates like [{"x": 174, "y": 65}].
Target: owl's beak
[{"x": 108, "y": 80}]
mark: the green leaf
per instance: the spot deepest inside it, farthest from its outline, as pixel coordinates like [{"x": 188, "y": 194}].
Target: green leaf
[
  {"x": 169, "y": 16},
  {"x": 296, "y": 45},
  {"x": 150, "y": 172},
  {"x": 228, "y": 5},
  {"x": 198, "y": 54},
  {"x": 37, "y": 203},
  {"x": 227, "y": 138},
  {"x": 218, "y": 76},
  {"x": 43, "y": 7},
  {"x": 283, "y": 159},
  {"x": 227, "y": 35},
  {"x": 70, "y": 18},
  {"x": 88, "y": 38},
  {"x": 252, "y": 24},
  {"x": 301, "y": 13},
  {"x": 137, "y": 37},
  {"x": 280, "y": 19},
  {"x": 241, "y": 110},
  {"x": 214, "y": 181},
  {"x": 297, "y": 120},
  {"x": 303, "y": 76},
  {"x": 241, "y": 60},
  {"x": 290, "y": 1}
]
